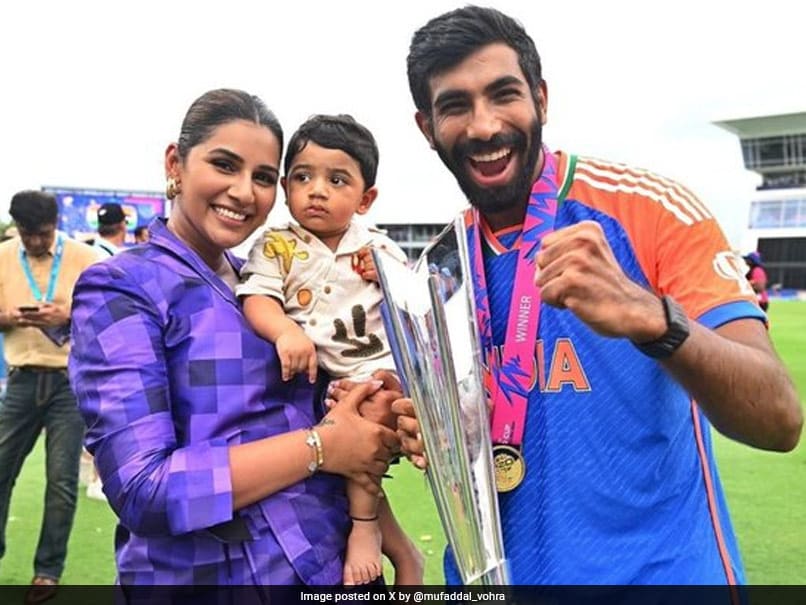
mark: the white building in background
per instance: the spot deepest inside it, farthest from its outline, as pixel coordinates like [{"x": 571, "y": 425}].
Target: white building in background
[
  {"x": 774, "y": 146},
  {"x": 412, "y": 237}
]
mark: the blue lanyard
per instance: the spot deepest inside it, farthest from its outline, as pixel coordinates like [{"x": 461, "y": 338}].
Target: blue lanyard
[{"x": 54, "y": 271}]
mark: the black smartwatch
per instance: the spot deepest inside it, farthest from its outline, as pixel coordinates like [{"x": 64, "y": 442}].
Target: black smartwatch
[{"x": 676, "y": 332}]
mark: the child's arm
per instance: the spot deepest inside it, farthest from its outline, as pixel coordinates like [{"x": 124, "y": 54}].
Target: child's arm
[
  {"x": 295, "y": 350},
  {"x": 396, "y": 544}
]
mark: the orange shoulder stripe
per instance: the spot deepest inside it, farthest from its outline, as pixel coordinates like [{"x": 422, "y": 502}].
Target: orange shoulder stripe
[{"x": 620, "y": 179}]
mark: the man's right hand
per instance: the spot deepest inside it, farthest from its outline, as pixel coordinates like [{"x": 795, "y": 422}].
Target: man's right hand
[{"x": 408, "y": 429}]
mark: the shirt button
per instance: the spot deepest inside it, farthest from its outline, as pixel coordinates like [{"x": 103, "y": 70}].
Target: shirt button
[
  {"x": 327, "y": 289},
  {"x": 312, "y": 322}
]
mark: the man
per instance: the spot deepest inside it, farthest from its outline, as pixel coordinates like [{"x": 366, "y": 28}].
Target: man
[
  {"x": 110, "y": 240},
  {"x": 647, "y": 331},
  {"x": 141, "y": 234},
  {"x": 111, "y": 229},
  {"x": 37, "y": 274}
]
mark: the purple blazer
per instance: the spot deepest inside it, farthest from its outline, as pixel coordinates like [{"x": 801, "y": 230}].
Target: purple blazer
[{"x": 168, "y": 376}]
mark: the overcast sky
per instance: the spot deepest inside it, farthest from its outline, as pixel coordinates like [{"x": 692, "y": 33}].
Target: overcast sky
[{"x": 92, "y": 92}]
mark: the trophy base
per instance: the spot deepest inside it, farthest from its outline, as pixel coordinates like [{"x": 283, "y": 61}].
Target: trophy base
[{"x": 497, "y": 575}]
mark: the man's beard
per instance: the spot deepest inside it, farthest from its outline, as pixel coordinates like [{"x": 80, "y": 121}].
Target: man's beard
[{"x": 492, "y": 200}]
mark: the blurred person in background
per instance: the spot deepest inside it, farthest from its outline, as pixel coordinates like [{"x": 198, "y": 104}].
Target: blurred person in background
[
  {"x": 141, "y": 234},
  {"x": 757, "y": 276},
  {"x": 37, "y": 273},
  {"x": 111, "y": 229},
  {"x": 110, "y": 241}
]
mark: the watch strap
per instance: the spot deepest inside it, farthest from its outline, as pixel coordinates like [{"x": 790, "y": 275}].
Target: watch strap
[{"x": 677, "y": 330}]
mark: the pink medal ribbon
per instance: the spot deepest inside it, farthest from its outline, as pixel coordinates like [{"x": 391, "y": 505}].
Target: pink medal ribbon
[{"x": 510, "y": 380}]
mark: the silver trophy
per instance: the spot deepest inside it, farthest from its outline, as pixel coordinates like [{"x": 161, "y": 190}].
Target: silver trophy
[{"x": 430, "y": 320}]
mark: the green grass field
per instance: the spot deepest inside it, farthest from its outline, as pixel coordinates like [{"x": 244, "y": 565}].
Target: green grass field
[{"x": 766, "y": 493}]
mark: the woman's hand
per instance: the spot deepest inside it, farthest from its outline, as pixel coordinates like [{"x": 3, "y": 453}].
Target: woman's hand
[
  {"x": 378, "y": 406},
  {"x": 408, "y": 430},
  {"x": 356, "y": 447}
]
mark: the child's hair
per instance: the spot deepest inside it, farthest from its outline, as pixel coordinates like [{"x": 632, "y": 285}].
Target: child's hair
[{"x": 337, "y": 132}]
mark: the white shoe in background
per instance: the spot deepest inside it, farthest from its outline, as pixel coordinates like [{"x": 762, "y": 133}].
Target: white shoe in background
[
  {"x": 95, "y": 490},
  {"x": 86, "y": 469}
]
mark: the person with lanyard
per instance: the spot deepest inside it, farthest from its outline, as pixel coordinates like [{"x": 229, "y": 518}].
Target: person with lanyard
[
  {"x": 111, "y": 229},
  {"x": 37, "y": 273},
  {"x": 616, "y": 325}
]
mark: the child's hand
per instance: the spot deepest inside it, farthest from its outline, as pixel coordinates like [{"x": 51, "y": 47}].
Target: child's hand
[
  {"x": 297, "y": 354},
  {"x": 364, "y": 265}
]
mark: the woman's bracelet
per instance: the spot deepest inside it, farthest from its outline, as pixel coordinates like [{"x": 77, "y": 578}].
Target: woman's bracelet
[
  {"x": 315, "y": 442},
  {"x": 367, "y": 519}
]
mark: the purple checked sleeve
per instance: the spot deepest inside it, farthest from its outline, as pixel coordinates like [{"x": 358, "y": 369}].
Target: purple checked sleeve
[{"x": 120, "y": 374}]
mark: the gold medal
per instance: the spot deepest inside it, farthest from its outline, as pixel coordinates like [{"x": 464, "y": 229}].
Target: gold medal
[{"x": 509, "y": 467}]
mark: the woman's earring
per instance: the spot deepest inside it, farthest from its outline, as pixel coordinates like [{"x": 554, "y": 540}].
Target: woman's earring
[{"x": 172, "y": 188}]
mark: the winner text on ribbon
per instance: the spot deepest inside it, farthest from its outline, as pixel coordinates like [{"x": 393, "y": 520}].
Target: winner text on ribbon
[{"x": 521, "y": 327}]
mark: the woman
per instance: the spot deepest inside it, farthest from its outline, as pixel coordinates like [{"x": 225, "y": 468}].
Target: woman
[{"x": 211, "y": 461}]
